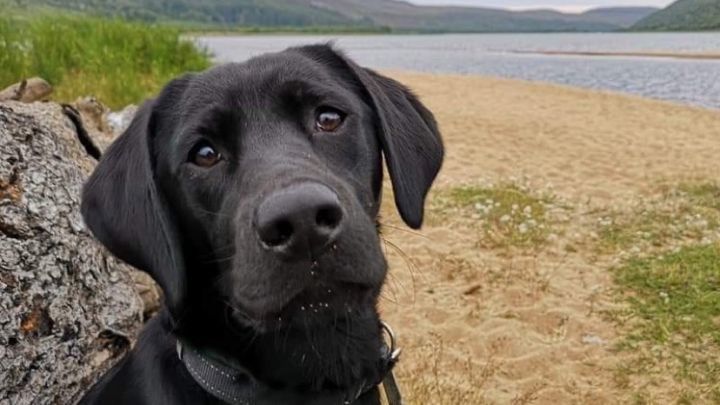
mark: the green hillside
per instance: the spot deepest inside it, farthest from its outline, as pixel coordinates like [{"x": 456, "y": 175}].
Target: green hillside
[
  {"x": 360, "y": 15},
  {"x": 684, "y": 15},
  {"x": 623, "y": 16},
  {"x": 270, "y": 13}
]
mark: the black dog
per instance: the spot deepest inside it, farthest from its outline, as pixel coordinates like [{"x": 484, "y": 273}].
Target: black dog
[{"x": 250, "y": 193}]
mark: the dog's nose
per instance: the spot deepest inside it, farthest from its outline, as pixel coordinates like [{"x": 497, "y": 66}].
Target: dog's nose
[{"x": 300, "y": 221}]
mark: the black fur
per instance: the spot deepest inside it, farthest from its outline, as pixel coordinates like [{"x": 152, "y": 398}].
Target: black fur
[{"x": 191, "y": 228}]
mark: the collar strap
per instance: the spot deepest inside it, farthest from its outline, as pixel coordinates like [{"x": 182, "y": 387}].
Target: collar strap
[{"x": 235, "y": 385}]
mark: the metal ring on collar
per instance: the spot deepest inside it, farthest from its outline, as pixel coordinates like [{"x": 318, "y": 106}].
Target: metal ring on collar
[{"x": 394, "y": 351}]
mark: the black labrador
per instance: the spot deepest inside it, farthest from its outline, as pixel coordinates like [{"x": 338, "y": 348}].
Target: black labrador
[{"x": 250, "y": 193}]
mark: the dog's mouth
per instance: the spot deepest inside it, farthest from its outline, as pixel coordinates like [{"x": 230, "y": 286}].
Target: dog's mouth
[{"x": 315, "y": 306}]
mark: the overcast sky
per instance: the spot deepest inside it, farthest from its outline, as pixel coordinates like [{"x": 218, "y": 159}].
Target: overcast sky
[{"x": 563, "y": 5}]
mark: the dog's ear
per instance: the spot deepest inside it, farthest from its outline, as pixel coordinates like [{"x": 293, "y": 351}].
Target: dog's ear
[
  {"x": 409, "y": 134},
  {"x": 410, "y": 141},
  {"x": 124, "y": 208}
]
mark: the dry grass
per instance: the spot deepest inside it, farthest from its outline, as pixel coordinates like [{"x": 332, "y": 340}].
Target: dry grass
[{"x": 428, "y": 381}]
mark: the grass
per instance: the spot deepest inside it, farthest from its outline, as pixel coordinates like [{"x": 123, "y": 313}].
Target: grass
[
  {"x": 670, "y": 283},
  {"x": 686, "y": 212},
  {"x": 647, "y": 225},
  {"x": 439, "y": 377},
  {"x": 118, "y": 62},
  {"x": 429, "y": 382},
  {"x": 673, "y": 318},
  {"x": 704, "y": 194},
  {"x": 508, "y": 215}
]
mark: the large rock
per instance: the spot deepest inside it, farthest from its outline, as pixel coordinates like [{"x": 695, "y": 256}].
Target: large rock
[{"x": 68, "y": 309}]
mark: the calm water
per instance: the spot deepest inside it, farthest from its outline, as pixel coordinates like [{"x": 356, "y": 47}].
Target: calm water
[{"x": 695, "y": 82}]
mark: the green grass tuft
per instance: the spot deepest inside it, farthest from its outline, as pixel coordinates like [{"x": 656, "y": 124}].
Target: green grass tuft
[
  {"x": 118, "y": 62},
  {"x": 648, "y": 225},
  {"x": 687, "y": 212},
  {"x": 702, "y": 194},
  {"x": 673, "y": 317},
  {"x": 508, "y": 215},
  {"x": 678, "y": 294}
]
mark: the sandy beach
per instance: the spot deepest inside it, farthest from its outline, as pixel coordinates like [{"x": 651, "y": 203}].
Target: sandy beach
[{"x": 506, "y": 324}]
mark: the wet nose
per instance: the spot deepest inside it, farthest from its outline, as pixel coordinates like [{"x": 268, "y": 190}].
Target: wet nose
[{"x": 299, "y": 221}]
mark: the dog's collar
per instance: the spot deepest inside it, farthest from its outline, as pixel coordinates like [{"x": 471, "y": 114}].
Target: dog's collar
[{"x": 235, "y": 385}]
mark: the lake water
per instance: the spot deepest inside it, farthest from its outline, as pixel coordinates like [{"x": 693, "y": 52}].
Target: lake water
[{"x": 689, "y": 81}]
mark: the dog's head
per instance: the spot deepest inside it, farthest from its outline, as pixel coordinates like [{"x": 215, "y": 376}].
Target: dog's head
[{"x": 250, "y": 193}]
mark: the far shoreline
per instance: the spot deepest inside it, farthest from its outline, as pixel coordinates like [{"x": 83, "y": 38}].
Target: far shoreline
[
  {"x": 639, "y": 54},
  {"x": 551, "y": 88},
  {"x": 240, "y": 32}
]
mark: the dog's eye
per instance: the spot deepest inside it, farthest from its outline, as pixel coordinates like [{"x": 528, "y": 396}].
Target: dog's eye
[
  {"x": 328, "y": 119},
  {"x": 204, "y": 155}
]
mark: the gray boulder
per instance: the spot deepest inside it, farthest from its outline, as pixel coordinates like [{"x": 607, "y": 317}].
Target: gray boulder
[{"x": 68, "y": 310}]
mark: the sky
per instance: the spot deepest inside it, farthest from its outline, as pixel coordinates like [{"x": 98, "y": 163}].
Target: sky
[{"x": 561, "y": 5}]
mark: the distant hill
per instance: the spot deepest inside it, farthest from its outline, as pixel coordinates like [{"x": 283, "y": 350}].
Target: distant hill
[
  {"x": 625, "y": 17},
  {"x": 684, "y": 15},
  {"x": 211, "y": 12},
  {"x": 354, "y": 14},
  {"x": 405, "y": 16}
]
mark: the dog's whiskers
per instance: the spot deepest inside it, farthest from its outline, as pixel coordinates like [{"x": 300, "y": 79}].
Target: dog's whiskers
[
  {"x": 221, "y": 249},
  {"x": 392, "y": 285},
  {"x": 408, "y": 261},
  {"x": 308, "y": 335},
  {"x": 220, "y": 260},
  {"x": 400, "y": 228},
  {"x": 232, "y": 324},
  {"x": 386, "y": 297},
  {"x": 212, "y": 213}
]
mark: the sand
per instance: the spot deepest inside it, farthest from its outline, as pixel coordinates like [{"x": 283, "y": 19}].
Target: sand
[{"x": 494, "y": 325}]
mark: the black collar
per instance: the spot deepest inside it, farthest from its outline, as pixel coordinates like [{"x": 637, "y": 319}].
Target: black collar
[{"x": 235, "y": 385}]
